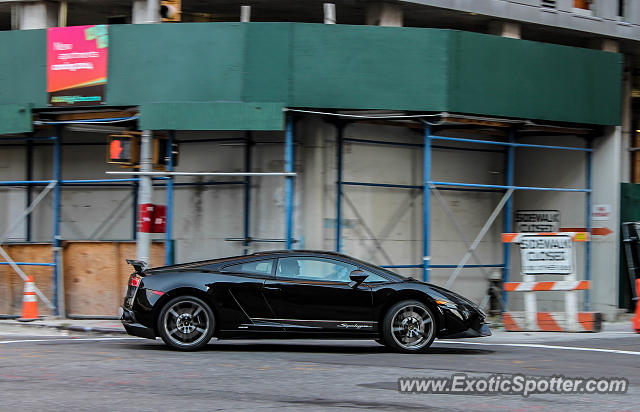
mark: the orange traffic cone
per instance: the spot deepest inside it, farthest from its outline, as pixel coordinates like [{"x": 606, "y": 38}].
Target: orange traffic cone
[
  {"x": 636, "y": 319},
  {"x": 29, "y": 302}
]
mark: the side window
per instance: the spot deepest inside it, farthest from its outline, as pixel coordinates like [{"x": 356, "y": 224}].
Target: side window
[
  {"x": 373, "y": 278},
  {"x": 314, "y": 269},
  {"x": 256, "y": 267}
]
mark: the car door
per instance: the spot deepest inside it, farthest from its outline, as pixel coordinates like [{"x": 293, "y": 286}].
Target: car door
[
  {"x": 241, "y": 292},
  {"x": 313, "y": 294}
]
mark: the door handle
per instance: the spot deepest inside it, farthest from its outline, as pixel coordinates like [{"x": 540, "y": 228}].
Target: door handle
[{"x": 270, "y": 288}]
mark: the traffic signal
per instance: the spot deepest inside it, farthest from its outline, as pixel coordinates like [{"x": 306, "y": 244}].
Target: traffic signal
[
  {"x": 171, "y": 10},
  {"x": 123, "y": 149},
  {"x": 160, "y": 157}
]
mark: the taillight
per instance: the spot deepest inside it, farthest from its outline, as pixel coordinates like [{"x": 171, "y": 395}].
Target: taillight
[{"x": 134, "y": 281}]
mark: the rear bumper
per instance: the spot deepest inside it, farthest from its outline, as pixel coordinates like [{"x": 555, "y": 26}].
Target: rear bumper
[{"x": 134, "y": 328}]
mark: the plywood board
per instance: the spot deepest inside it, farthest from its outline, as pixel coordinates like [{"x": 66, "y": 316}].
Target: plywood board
[
  {"x": 96, "y": 275},
  {"x": 12, "y": 286},
  {"x": 89, "y": 274}
]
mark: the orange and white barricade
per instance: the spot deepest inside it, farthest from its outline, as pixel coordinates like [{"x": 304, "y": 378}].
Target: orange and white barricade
[{"x": 549, "y": 254}]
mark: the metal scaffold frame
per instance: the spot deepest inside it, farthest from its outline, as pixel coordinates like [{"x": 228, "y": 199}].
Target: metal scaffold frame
[
  {"x": 163, "y": 179},
  {"x": 433, "y": 186}
]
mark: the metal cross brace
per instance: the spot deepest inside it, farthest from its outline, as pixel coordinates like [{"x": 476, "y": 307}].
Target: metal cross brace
[
  {"x": 480, "y": 236},
  {"x": 451, "y": 217},
  {"x": 15, "y": 224}
]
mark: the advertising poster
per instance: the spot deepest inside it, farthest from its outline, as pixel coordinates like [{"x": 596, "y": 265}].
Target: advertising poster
[{"x": 77, "y": 65}]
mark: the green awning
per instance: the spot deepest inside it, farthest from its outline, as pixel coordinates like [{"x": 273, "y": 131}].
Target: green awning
[
  {"x": 211, "y": 116},
  {"x": 15, "y": 118}
]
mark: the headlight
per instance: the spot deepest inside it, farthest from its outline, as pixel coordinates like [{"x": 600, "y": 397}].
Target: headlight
[{"x": 446, "y": 303}]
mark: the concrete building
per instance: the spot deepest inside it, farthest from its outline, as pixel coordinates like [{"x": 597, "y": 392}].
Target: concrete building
[{"x": 360, "y": 102}]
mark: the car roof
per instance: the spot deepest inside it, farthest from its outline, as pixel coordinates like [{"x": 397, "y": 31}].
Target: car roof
[
  {"x": 220, "y": 261},
  {"x": 198, "y": 263}
]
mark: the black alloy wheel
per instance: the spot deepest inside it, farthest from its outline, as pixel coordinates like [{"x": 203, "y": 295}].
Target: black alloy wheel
[
  {"x": 409, "y": 326},
  {"x": 186, "y": 323}
]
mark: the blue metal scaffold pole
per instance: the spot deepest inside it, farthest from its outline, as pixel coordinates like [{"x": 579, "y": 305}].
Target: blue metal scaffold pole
[
  {"x": 426, "y": 203},
  {"x": 339, "y": 154},
  {"x": 288, "y": 167},
  {"x": 57, "y": 243},
  {"x": 168, "y": 235},
  {"x": 508, "y": 213},
  {"x": 247, "y": 193},
  {"x": 587, "y": 252}
]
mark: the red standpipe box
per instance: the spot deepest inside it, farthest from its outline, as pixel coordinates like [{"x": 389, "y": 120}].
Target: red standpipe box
[
  {"x": 145, "y": 217},
  {"x": 159, "y": 224}
]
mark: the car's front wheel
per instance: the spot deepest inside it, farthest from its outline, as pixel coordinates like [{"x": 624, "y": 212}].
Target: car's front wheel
[
  {"x": 409, "y": 326},
  {"x": 186, "y": 323}
]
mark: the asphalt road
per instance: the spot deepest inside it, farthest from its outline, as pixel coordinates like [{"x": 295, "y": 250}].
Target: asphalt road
[{"x": 109, "y": 373}]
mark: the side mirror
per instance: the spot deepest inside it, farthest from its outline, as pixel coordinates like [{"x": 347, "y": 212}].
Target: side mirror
[{"x": 357, "y": 277}]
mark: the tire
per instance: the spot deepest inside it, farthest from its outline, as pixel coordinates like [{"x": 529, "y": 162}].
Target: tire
[
  {"x": 409, "y": 326},
  {"x": 186, "y": 323}
]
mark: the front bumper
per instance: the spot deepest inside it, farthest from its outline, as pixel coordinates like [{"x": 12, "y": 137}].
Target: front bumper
[
  {"x": 134, "y": 328},
  {"x": 478, "y": 332}
]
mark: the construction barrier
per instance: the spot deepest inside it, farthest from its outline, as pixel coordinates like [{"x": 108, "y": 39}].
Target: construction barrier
[
  {"x": 549, "y": 254},
  {"x": 29, "y": 302}
]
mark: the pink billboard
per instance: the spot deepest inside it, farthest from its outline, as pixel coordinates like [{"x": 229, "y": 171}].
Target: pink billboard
[{"x": 77, "y": 65}]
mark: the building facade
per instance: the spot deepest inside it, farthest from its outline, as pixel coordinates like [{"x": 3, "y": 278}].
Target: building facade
[{"x": 359, "y": 103}]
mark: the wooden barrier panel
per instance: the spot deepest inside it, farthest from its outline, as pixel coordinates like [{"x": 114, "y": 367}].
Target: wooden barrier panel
[
  {"x": 95, "y": 275},
  {"x": 12, "y": 286}
]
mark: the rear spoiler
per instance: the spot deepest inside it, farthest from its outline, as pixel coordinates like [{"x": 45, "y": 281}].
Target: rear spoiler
[{"x": 139, "y": 265}]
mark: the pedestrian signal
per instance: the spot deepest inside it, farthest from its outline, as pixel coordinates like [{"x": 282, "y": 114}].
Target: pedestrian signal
[{"x": 123, "y": 149}]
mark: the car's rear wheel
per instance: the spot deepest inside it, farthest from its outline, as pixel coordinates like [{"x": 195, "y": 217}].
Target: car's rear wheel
[
  {"x": 409, "y": 326},
  {"x": 186, "y": 323}
]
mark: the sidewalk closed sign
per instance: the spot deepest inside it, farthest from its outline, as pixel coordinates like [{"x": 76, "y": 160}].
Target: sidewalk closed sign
[
  {"x": 536, "y": 221},
  {"x": 546, "y": 255}
]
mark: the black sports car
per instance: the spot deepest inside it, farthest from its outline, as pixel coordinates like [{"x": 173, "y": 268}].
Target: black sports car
[{"x": 293, "y": 294}]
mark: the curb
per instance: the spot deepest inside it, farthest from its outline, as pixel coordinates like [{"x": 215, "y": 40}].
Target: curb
[{"x": 72, "y": 328}]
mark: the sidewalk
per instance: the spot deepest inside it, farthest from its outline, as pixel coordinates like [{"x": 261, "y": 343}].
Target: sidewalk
[{"x": 73, "y": 325}]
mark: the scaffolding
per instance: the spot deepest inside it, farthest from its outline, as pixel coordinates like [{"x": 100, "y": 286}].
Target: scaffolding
[
  {"x": 163, "y": 179},
  {"x": 430, "y": 186}
]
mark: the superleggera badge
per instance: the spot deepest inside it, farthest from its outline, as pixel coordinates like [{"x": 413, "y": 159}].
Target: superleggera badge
[{"x": 353, "y": 326}]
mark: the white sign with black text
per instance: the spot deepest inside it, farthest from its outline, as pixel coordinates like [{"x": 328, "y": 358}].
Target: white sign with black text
[
  {"x": 547, "y": 255},
  {"x": 536, "y": 221}
]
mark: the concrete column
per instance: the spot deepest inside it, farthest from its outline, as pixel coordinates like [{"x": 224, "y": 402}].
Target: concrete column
[
  {"x": 608, "y": 151},
  {"x": 329, "y": 10},
  {"x": 145, "y": 11},
  {"x": 139, "y": 12},
  {"x": 314, "y": 132},
  {"x": 632, "y": 12},
  {"x": 245, "y": 14},
  {"x": 384, "y": 14},
  {"x": 36, "y": 15},
  {"x": 627, "y": 126},
  {"x": 505, "y": 29}
]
